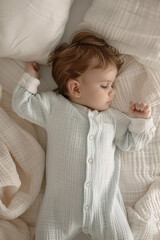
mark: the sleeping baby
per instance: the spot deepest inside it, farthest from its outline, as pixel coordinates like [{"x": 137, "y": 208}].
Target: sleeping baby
[{"x": 84, "y": 139}]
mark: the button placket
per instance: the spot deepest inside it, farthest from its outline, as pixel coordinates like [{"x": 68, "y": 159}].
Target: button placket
[{"x": 89, "y": 165}]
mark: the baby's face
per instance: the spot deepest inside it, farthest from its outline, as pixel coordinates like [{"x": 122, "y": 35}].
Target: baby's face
[{"x": 96, "y": 87}]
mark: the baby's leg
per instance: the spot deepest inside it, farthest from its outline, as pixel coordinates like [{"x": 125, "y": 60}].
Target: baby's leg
[
  {"x": 123, "y": 234},
  {"x": 112, "y": 225},
  {"x": 56, "y": 233},
  {"x": 57, "y": 222},
  {"x": 51, "y": 227}
]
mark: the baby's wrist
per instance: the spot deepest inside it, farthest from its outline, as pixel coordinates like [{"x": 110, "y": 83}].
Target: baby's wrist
[
  {"x": 141, "y": 124},
  {"x": 29, "y": 83}
]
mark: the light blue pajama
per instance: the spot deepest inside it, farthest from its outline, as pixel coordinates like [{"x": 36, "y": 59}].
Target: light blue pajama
[{"x": 82, "y": 163}]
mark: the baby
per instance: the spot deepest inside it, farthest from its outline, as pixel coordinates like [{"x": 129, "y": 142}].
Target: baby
[{"x": 85, "y": 136}]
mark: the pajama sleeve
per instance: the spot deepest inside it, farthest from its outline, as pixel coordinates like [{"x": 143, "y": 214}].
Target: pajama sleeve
[
  {"x": 132, "y": 133},
  {"x": 30, "y": 105}
]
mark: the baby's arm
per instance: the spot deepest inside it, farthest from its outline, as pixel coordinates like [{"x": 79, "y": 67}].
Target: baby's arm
[
  {"x": 133, "y": 133},
  {"x": 26, "y": 102}
]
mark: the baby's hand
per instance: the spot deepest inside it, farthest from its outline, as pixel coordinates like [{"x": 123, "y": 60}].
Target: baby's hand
[
  {"x": 32, "y": 68},
  {"x": 140, "y": 110}
]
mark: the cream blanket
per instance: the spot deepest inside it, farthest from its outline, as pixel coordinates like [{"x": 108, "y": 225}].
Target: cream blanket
[{"x": 21, "y": 166}]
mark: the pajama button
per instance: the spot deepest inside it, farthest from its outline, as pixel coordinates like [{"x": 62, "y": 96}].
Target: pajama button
[
  {"x": 86, "y": 207},
  {"x": 90, "y": 160},
  {"x": 91, "y": 137},
  {"x": 88, "y": 184}
]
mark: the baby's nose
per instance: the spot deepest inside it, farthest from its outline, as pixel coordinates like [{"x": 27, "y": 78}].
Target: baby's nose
[{"x": 111, "y": 92}]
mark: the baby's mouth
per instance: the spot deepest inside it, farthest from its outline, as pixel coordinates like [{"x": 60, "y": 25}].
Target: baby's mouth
[{"x": 109, "y": 101}]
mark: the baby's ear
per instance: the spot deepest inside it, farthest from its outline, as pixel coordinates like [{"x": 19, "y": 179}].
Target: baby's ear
[{"x": 74, "y": 88}]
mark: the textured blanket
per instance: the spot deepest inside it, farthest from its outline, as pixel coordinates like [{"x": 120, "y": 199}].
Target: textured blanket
[{"x": 21, "y": 172}]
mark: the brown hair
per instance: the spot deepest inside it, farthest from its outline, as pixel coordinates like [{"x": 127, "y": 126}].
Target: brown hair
[{"x": 73, "y": 59}]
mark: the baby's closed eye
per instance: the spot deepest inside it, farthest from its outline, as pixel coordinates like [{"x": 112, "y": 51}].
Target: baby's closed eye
[{"x": 107, "y": 85}]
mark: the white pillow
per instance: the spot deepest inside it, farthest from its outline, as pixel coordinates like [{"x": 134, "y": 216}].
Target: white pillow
[{"x": 31, "y": 29}]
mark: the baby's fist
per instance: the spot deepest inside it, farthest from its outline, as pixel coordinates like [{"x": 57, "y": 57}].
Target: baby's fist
[
  {"x": 140, "y": 110},
  {"x": 32, "y": 68}
]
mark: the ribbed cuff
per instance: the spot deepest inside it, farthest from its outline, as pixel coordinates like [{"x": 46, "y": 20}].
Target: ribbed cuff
[
  {"x": 140, "y": 125},
  {"x": 29, "y": 83}
]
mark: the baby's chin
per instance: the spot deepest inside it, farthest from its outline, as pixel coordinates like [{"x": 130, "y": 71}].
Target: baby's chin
[
  {"x": 101, "y": 109},
  {"x": 104, "y": 109}
]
